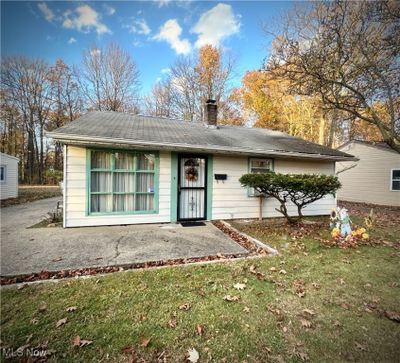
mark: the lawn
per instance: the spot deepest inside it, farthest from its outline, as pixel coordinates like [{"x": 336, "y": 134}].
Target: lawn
[
  {"x": 313, "y": 302},
  {"x": 32, "y": 193}
]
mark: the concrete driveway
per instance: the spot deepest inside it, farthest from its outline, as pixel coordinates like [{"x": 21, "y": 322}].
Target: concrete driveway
[{"x": 25, "y": 250}]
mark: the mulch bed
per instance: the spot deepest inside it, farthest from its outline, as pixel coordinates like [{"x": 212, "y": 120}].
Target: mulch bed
[{"x": 240, "y": 239}]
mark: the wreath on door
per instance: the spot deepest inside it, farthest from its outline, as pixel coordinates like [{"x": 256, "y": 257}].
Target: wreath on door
[{"x": 191, "y": 174}]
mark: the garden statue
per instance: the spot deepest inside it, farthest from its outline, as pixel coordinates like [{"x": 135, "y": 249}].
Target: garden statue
[
  {"x": 341, "y": 227},
  {"x": 345, "y": 228}
]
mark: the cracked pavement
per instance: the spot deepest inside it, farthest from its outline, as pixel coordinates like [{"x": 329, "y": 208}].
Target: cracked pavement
[{"x": 25, "y": 250}]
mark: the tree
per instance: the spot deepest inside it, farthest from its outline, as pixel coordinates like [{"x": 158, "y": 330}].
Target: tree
[
  {"x": 347, "y": 54},
  {"x": 109, "y": 79},
  {"x": 300, "y": 189}
]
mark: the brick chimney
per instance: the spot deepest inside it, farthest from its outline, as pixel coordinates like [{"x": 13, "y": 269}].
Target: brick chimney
[{"x": 211, "y": 112}]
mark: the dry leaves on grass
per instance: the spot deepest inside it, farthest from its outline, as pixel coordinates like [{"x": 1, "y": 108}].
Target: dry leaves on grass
[
  {"x": 306, "y": 323},
  {"x": 392, "y": 315},
  {"x": 193, "y": 355},
  {"x": 61, "y": 322},
  {"x": 172, "y": 323},
  {"x": 199, "y": 330},
  {"x": 78, "y": 342},
  {"x": 144, "y": 342},
  {"x": 231, "y": 298},
  {"x": 185, "y": 307},
  {"x": 71, "y": 309},
  {"x": 239, "y": 286}
]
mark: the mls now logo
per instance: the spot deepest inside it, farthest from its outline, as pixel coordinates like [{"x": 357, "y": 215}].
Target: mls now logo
[{"x": 23, "y": 352}]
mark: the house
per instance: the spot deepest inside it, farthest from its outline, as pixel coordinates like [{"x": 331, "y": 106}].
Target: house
[
  {"x": 125, "y": 169},
  {"x": 375, "y": 178},
  {"x": 8, "y": 176}
]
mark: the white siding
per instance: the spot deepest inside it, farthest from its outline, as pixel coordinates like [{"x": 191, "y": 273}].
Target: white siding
[
  {"x": 369, "y": 181},
  {"x": 9, "y": 187},
  {"x": 230, "y": 199},
  {"x": 76, "y": 198}
]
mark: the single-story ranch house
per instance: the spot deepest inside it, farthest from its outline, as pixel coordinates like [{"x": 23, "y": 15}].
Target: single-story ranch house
[{"x": 125, "y": 169}]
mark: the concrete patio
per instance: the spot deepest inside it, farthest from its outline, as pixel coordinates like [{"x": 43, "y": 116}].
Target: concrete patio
[{"x": 26, "y": 250}]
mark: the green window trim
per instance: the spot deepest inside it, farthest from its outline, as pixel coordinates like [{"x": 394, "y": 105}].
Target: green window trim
[
  {"x": 250, "y": 191},
  {"x": 89, "y": 171}
]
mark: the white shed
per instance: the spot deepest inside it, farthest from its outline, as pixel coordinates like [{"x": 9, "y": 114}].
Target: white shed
[{"x": 8, "y": 176}]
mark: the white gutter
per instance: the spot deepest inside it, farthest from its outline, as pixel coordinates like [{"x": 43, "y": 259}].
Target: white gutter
[{"x": 83, "y": 140}]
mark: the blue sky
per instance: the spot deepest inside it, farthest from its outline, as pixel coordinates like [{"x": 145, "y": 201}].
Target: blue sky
[{"x": 155, "y": 33}]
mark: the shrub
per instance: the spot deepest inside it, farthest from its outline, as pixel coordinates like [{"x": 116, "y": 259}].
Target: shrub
[{"x": 300, "y": 189}]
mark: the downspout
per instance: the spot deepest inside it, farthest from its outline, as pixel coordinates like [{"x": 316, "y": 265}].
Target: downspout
[{"x": 65, "y": 185}]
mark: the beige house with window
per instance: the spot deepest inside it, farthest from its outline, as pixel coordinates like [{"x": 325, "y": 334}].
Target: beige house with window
[
  {"x": 126, "y": 169},
  {"x": 374, "y": 178},
  {"x": 8, "y": 176}
]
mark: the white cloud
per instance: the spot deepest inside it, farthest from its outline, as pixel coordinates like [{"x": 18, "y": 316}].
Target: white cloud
[
  {"x": 165, "y": 70},
  {"x": 71, "y": 40},
  {"x": 216, "y": 24},
  {"x": 171, "y": 32},
  {"x": 109, "y": 9},
  {"x": 84, "y": 19},
  {"x": 162, "y": 3},
  {"x": 139, "y": 27},
  {"x": 47, "y": 12}
]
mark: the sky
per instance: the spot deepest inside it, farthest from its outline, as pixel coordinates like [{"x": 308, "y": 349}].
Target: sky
[{"x": 155, "y": 33}]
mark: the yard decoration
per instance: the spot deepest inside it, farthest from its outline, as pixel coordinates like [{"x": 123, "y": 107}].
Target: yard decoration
[{"x": 300, "y": 189}]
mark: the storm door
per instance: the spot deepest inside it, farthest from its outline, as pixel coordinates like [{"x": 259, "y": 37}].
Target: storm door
[{"x": 192, "y": 187}]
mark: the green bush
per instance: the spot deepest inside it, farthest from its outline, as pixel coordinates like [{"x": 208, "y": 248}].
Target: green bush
[
  {"x": 52, "y": 176},
  {"x": 300, "y": 189}
]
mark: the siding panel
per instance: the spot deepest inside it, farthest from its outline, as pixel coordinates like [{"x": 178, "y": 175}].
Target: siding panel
[{"x": 9, "y": 187}]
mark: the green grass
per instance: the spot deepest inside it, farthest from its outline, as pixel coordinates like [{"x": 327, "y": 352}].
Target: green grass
[
  {"x": 30, "y": 194},
  {"x": 346, "y": 288}
]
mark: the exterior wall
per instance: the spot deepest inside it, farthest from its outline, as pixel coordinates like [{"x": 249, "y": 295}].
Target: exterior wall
[
  {"x": 75, "y": 194},
  {"x": 9, "y": 187},
  {"x": 369, "y": 181},
  {"x": 230, "y": 199}
]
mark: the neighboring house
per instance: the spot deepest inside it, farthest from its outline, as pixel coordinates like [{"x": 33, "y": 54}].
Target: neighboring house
[
  {"x": 8, "y": 176},
  {"x": 375, "y": 178},
  {"x": 126, "y": 169}
]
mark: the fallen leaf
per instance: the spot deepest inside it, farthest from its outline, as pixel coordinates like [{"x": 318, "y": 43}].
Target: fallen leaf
[
  {"x": 61, "y": 322},
  {"x": 185, "y": 307},
  {"x": 273, "y": 269},
  {"x": 239, "y": 286},
  {"x": 172, "y": 324},
  {"x": 144, "y": 342},
  {"x": 43, "y": 307},
  {"x": 284, "y": 329},
  {"x": 301, "y": 293},
  {"x": 303, "y": 356},
  {"x": 282, "y": 272},
  {"x": 337, "y": 323},
  {"x": 193, "y": 355},
  {"x": 392, "y": 315},
  {"x": 231, "y": 298},
  {"x": 57, "y": 259},
  {"x": 35, "y": 321},
  {"x": 309, "y": 312},
  {"x": 22, "y": 286},
  {"x": 78, "y": 342},
  {"x": 360, "y": 346},
  {"x": 306, "y": 323},
  {"x": 71, "y": 309},
  {"x": 199, "y": 330},
  {"x": 246, "y": 309}
]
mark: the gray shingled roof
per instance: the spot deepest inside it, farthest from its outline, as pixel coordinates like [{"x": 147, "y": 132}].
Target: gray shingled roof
[{"x": 113, "y": 128}]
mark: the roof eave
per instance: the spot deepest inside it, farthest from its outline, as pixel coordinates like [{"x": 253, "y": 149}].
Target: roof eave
[{"x": 123, "y": 143}]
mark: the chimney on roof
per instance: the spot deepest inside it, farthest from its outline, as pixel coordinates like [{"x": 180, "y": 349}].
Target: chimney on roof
[{"x": 211, "y": 113}]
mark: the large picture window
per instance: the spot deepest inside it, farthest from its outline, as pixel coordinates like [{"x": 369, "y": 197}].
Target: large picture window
[{"x": 122, "y": 182}]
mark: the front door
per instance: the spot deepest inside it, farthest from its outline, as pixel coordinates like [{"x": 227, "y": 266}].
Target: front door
[{"x": 192, "y": 187}]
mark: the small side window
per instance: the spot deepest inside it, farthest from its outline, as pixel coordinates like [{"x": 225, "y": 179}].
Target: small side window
[
  {"x": 258, "y": 166},
  {"x": 3, "y": 174},
  {"x": 395, "y": 179}
]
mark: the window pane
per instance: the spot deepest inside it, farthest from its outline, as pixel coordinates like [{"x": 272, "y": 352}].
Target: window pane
[
  {"x": 145, "y": 182},
  {"x": 260, "y": 163},
  {"x": 124, "y": 182},
  {"x": 100, "y": 160},
  {"x": 101, "y": 203},
  {"x": 395, "y": 185},
  {"x": 124, "y": 203},
  {"x": 396, "y": 174},
  {"x": 259, "y": 170},
  {"x": 146, "y": 161},
  {"x": 101, "y": 182},
  {"x": 124, "y": 161},
  {"x": 2, "y": 173},
  {"x": 144, "y": 202}
]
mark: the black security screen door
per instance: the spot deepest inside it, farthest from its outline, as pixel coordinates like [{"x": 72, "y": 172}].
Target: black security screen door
[{"x": 192, "y": 188}]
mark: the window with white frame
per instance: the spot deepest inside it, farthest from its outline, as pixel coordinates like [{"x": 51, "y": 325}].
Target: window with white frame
[
  {"x": 259, "y": 166},
  {"x": 3, "y": 172},
  {"x": 122, "y": 182},
  {"x": 395, "y": 179}
]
